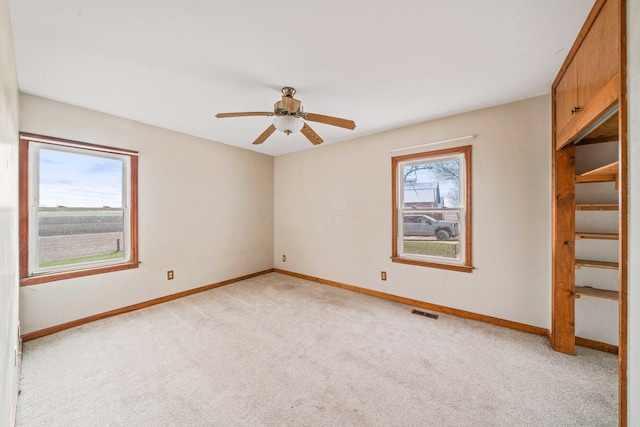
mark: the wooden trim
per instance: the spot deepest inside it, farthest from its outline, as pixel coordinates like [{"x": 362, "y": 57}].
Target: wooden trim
[
  {"x": 53, "y": 329},
  {"x": 440, "y": 308},
  {"x": 52, "y": 277},
  {"x": 601, "y": 102},
  {"x": 595, "y": 11},
  {"x": 623, "y": 220},
  {"x": 468, "y": 246},
  {"x": 394, "y": 208},
  {"x": 79, "y": 144},
  {"x": 469, "y": 209},
  {"x": 563, "y": 249},
  {"x": 452, "y": 267},
  {"x": 23, "y": 188},
  {"x": 597, "y": 345},
  {"x": 24, "y": 206},
  {"x": 133, "y": 211}
]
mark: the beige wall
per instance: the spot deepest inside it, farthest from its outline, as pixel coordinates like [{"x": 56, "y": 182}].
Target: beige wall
[
  {"x": 633, "y": 49},
  {"x": 205, "y": 211},
  {"x": 8, "y": 220},
  {"x": 333, "y": 213}
]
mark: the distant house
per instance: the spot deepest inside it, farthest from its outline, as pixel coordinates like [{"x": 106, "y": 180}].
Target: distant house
[{"x": 422, "y": 195}]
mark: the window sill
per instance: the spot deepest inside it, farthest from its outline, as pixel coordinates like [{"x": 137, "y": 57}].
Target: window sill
[
  {"x": 51, "y": 277},
  {"x": 452, "y": 267}
]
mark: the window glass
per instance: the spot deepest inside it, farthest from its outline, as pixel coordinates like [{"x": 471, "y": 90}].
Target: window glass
[
  {"x": 79, "y": 180},
  {"x": 77, "y": 236}
]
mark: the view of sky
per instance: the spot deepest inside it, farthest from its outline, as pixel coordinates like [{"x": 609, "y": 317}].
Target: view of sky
[{"x": 77, "y": 180}]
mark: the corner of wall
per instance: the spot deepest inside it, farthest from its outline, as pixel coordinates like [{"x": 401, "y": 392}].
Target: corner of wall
[{"x": 9, "y": 333}]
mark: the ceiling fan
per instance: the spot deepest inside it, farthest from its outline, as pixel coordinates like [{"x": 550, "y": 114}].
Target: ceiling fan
[{"x": 290, "y": 118}]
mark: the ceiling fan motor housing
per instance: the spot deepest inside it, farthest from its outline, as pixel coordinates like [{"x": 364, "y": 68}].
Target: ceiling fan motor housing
[{"x": 288, "y": 107}]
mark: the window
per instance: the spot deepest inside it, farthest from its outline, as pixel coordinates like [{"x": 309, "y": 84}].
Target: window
[
  {"x": 432, "y": 209},
  {"x": 78, "y": 209}
]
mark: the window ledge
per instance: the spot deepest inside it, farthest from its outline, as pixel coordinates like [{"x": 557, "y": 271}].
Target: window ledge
[
  {"x": 51, "y": 277},
  {"x": 461, "y": 268}
]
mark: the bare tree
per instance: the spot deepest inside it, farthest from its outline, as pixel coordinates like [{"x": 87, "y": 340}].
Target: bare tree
[{"x": 448, "y": 171}]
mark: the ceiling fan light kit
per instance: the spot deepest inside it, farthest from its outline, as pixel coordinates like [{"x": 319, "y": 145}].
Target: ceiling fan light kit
[
  {"x": 290, "y": 118},
  {"x": 288, "y": 124}
]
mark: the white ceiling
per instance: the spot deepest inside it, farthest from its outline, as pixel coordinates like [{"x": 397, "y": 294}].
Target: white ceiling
[{"x": 384, "y": 64}]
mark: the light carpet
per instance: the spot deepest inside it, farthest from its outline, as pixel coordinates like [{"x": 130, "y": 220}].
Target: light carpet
[{"x": 281, "y": 351}]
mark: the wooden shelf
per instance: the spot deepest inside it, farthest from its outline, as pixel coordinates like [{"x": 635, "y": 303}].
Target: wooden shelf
[
  {"x": 597, "y": 207},
  {"x": 606, "y": 132},
  {"x": 596, "y": 264},
  {"x": 606, "y": 173},
  {"x": 597, "y": 236},
  {"x": 597, "y": 293}
]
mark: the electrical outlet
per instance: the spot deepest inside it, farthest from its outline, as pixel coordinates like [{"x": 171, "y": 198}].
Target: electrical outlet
[
  {"x": 284, "y": 258},
  {"x": 170, "y": 275},
  {"x": 383, "y": 275}
]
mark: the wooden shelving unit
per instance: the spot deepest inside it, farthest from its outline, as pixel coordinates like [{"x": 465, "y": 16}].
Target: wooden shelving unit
[{"x": 590, "y": 107}]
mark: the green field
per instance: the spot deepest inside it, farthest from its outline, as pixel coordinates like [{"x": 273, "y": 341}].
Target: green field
[
  {"x": 431, "y": 248},
  {"x": 91, "y": 258}
]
